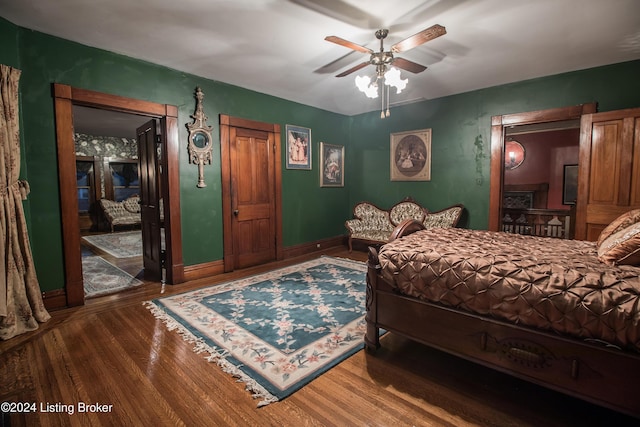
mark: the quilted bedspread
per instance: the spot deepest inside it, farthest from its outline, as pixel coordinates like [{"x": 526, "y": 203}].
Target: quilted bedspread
[{"x": 552, "y": 284}]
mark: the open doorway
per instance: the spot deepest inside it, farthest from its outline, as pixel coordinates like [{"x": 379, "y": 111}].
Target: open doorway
[
  {"x": 503, "y": 129},
  {"x": 66, "y": 98},
  {"x": 108, "y": 188},
  {"x": 540, "y": 179}
]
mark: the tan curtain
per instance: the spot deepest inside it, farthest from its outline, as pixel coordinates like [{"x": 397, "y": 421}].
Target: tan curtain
[{"x": 21, "y": 306}]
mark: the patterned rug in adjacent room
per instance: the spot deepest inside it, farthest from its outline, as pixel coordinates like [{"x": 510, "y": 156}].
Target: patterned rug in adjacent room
[
  {"x": 120, "y": 245},
  {"x": 275, "y": 331},
  {"x": 101, "y": 277}
]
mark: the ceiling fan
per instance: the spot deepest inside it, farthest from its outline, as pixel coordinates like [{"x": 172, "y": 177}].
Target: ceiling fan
[{"x": 383, "y": 58}]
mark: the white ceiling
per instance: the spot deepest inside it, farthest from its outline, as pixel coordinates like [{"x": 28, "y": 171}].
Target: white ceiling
[{"x": 277, "y": 47}]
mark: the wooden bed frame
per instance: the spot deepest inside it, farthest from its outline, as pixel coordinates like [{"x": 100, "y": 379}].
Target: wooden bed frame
[{"x": 603, "y": 375}]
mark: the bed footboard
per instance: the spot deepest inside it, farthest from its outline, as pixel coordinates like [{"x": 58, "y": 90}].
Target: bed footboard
[
  {"x": 372, "y": 335},
  {"x": 599, "y": 374}
]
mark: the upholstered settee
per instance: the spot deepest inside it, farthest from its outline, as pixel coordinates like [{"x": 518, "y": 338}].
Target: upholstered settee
[
  {"x": 373, "y": 225},
  {"x": 124, "y": 213}
]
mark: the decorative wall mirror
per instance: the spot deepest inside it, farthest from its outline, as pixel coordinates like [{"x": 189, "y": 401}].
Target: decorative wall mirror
[
  {"x": 513, "y": 155},
  {"x": 200, "y": 141}
]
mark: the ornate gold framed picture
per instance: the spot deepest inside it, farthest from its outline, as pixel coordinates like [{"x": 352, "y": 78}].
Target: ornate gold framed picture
[
  {"x": 411, "y": 155},
  {"x": 331, "y": 165}
]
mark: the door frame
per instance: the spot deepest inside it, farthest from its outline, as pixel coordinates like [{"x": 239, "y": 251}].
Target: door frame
[
  {"x": 498, "y": 126},
  {"x": 226, "y": 122},
  {"x": 65, "y": 98}
]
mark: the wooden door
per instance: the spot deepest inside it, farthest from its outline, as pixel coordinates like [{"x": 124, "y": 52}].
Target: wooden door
[
  {"x": 253, "y": 222},
  {"x": 609, "y": 175},
  {"x": 250, "y": 163},
  {"x": 149, "y": 201}
]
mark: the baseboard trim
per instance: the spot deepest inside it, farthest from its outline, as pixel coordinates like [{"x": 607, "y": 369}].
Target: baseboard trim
[
  {"x": 55, "y": 300},
  {"x": 213, "y": 268},
  {"x": 206, "y": 269},
  {"x": 310, "y": 247}
]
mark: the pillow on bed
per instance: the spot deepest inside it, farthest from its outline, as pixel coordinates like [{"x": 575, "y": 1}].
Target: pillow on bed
[
  {"x": 621, "y": 247},
  {"x": 623, "y": 221}
]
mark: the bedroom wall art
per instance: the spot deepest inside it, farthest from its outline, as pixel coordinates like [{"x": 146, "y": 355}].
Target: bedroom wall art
[
  {"x": 411, "y": 155},
  {"x": 570, "y": 185},
  {"x": 298, "y": 147},
  {"x": 331, "y": 165}
]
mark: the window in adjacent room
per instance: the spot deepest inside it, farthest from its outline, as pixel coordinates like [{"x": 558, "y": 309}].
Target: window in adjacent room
[{"x": 124, "y": 179}]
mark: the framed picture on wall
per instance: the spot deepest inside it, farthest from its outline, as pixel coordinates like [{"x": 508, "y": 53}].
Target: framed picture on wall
[
  {"x": 331, "y": 165},
  {"x": 411, "y": 155},
  {"x": 298, "y": 147},
  {"x": 570, "y": 185}
]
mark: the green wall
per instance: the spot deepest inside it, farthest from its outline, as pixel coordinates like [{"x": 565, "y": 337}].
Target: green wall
[
  {"x": 9, "y": 37},
  {"x": 461, "y": 130},
  {"x": 309, "y": 212},
  {"x": 460, "y": 146}
]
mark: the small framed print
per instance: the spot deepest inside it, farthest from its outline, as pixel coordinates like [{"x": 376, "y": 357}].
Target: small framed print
[
  {"x": 298, "y": 147},
  {"x": 331, "y": 165},
  {"x": 570, "y": 185},
  {"x": 411, "y": 155}
]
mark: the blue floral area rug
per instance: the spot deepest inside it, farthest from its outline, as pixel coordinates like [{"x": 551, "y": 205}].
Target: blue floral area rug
[{"x": 275, "y": 331}]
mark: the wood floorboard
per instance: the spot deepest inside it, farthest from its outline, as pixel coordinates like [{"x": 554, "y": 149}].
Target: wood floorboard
[{"x": 115, "y": 352}]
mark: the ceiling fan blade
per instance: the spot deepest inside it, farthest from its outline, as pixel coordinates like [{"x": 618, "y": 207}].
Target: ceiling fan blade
[
  {"x": 342, "y": 11},
  {"x": 419, "y": 38},
  {"x": 353, "y": 69},
  {"x": 347, "y": 43},
  {"x": 337, "y": 64},
  {"x": 407, "y": 65}
]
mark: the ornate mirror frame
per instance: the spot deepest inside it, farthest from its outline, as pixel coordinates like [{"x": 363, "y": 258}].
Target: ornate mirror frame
[
  {"x": 514, "y": 154},
  {"x": 200, "y": 142}
]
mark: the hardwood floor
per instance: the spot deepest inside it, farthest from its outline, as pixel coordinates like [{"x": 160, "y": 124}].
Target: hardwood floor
[{"x": 113, "y": 352}]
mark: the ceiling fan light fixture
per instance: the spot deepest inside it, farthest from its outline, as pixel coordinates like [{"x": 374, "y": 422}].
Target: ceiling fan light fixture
[
  {"x": 365, "y": 85},
  {"x": 392, "y": 78},
  {"x": 383, "y": 59}
]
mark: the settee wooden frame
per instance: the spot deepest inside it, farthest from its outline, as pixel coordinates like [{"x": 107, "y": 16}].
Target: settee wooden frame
[{"x": 600, "y": 374}]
